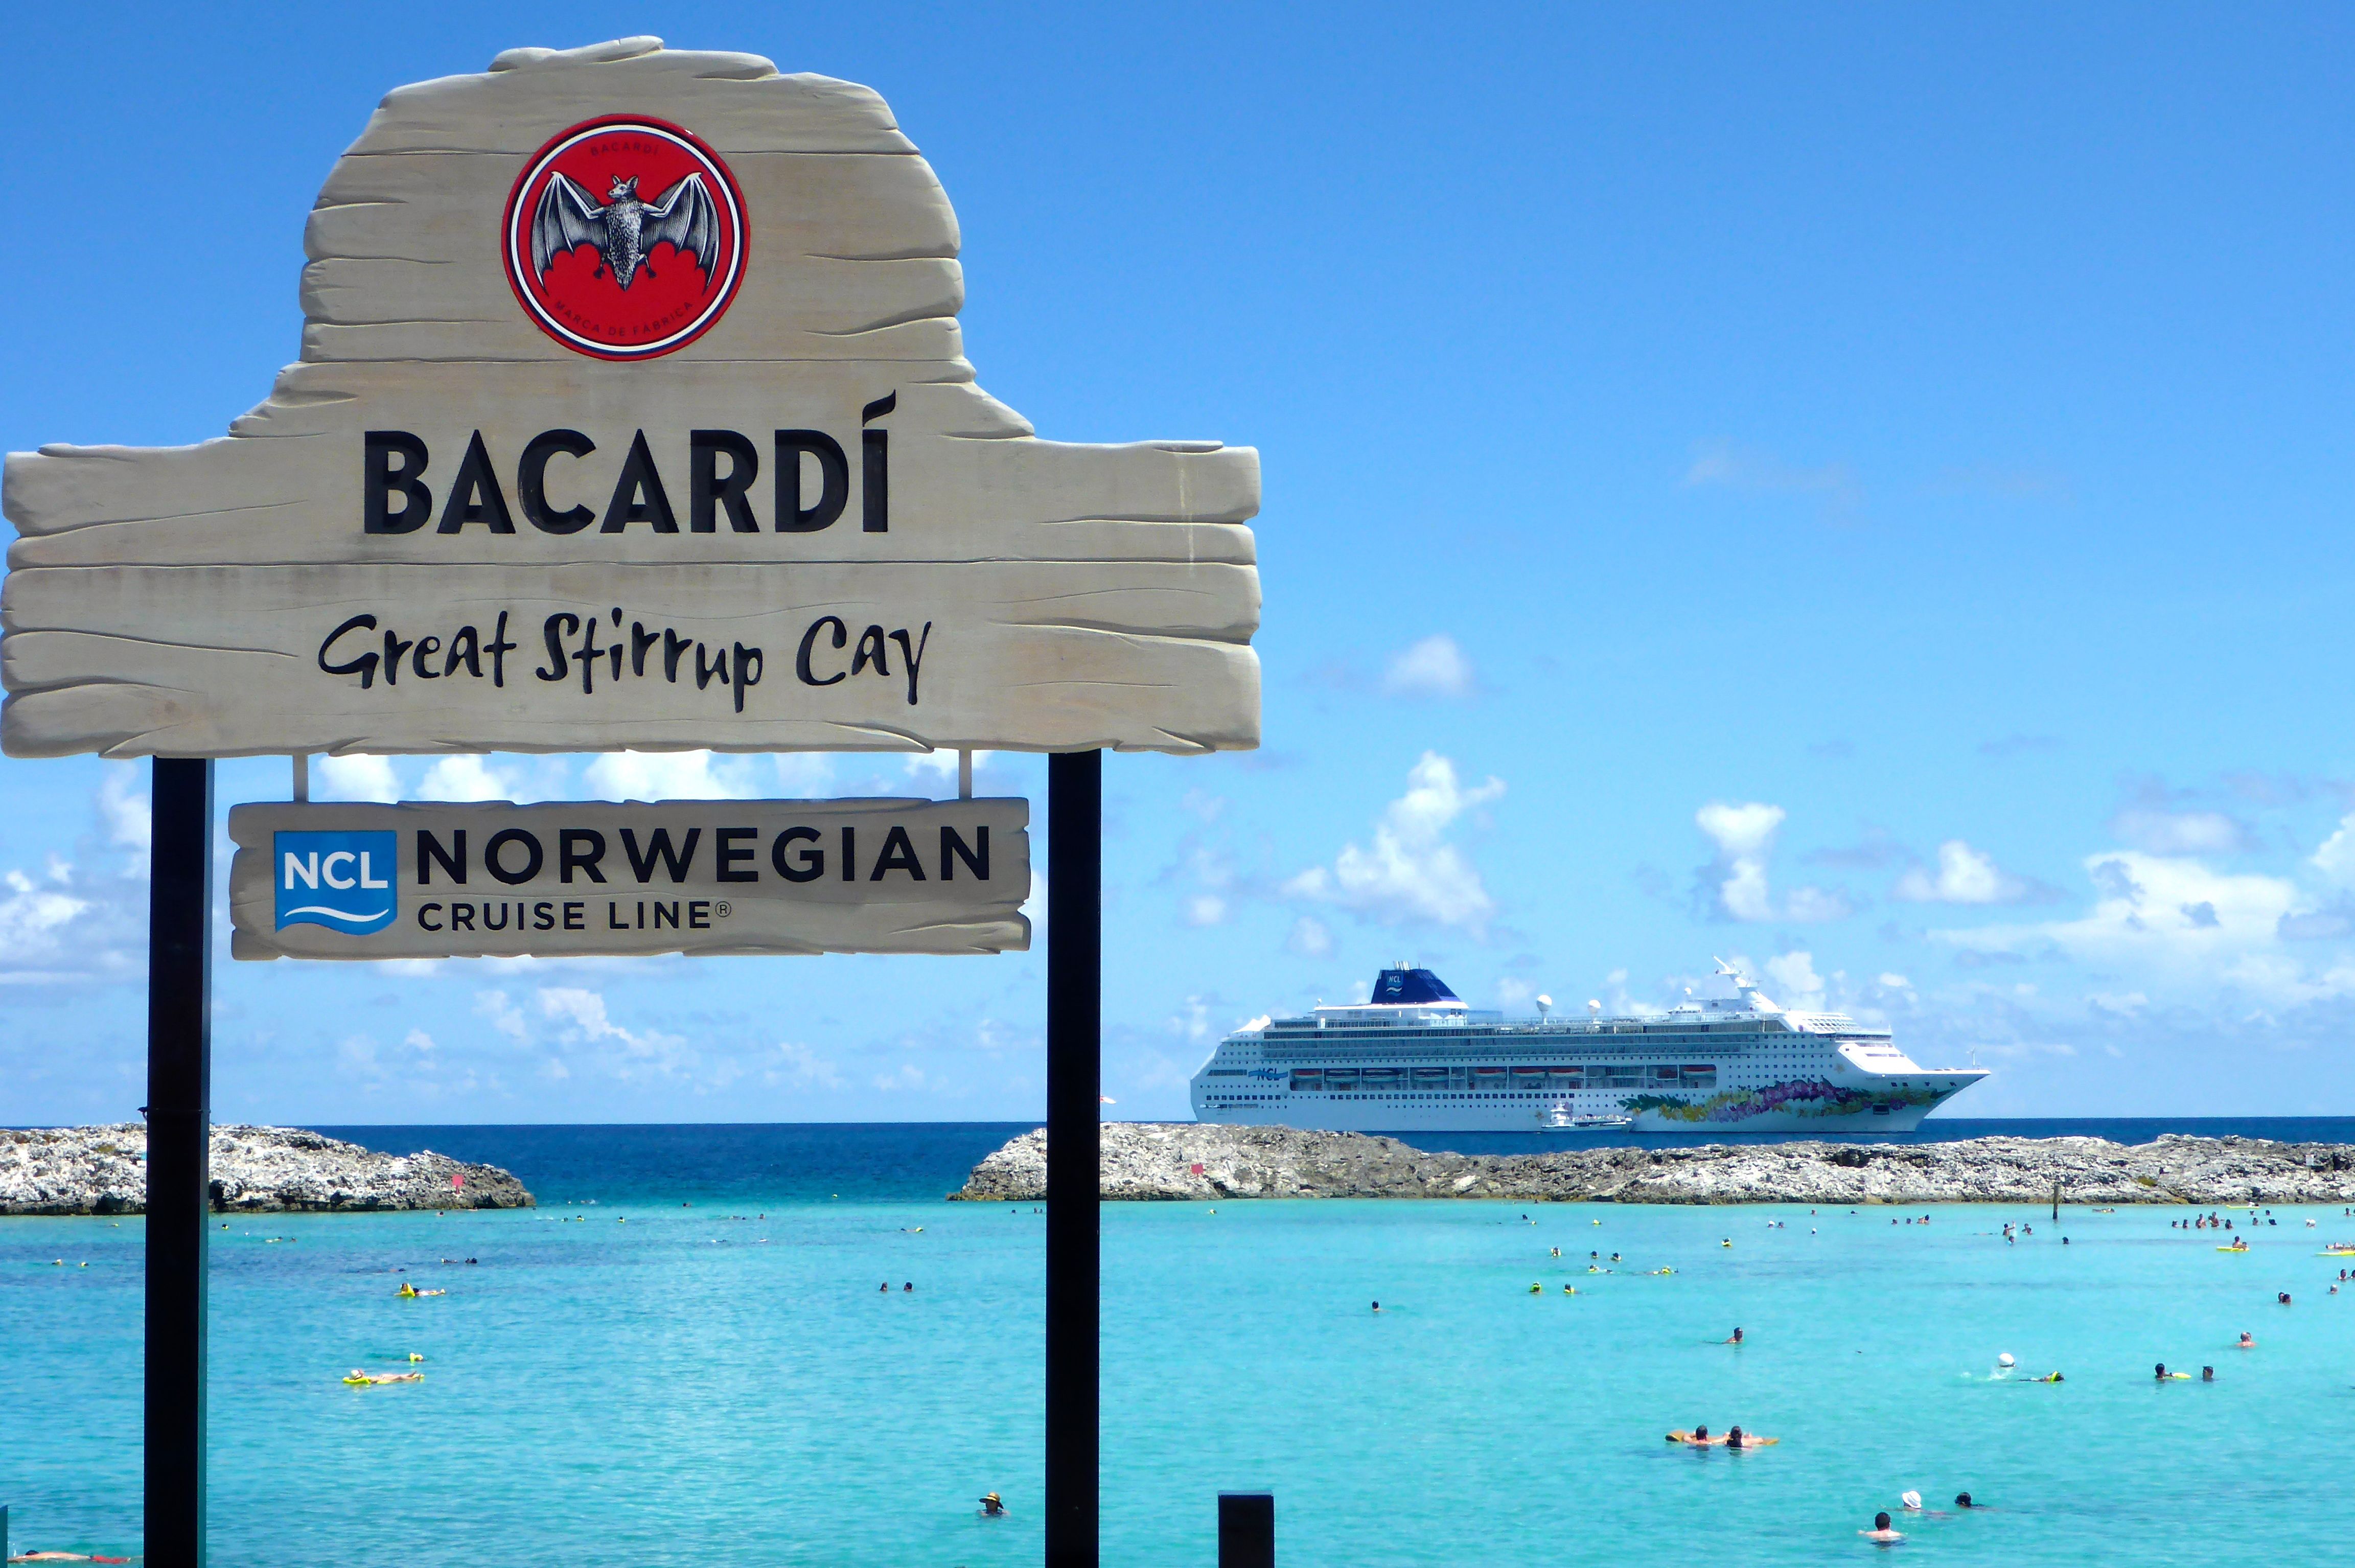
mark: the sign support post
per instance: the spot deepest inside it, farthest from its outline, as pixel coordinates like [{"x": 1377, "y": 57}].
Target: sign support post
[
  {"x": 179, "y": 1133},
  {"x": 1074, "y": 1148}
]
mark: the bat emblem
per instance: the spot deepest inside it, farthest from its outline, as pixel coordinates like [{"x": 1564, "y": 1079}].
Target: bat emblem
[
  {"x": 624, "y": 187},
  {"x": 623, "y": 229}
]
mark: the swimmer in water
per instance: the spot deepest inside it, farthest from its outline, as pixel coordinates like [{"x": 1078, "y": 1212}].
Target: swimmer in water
[
  {"x": 1377, "y": 1306},
  {"x": 1735, "y": 1338},
  {"x": 2207, "y": 1374},
  {"x": 2248, "y": 1341},
  {"x": 1881, "y": 1531},
  {"x": 909, "y": 1287},
  {"x": 992, "y": 1505}
]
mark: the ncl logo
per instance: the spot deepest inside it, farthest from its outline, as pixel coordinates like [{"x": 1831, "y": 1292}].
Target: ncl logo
[{"x": 341, "y": 880}]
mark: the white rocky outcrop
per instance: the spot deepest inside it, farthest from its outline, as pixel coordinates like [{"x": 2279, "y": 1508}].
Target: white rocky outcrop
[
  {"x": 102, "y": 1170},
  {"x": 1151, "y": 1161}
]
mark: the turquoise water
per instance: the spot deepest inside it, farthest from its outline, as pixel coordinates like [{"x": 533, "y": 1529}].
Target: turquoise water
[{"x": 634, "y": 1379}]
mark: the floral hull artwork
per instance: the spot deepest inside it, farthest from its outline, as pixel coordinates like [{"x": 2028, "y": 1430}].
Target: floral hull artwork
[{"x": 1788, "y": 1105}]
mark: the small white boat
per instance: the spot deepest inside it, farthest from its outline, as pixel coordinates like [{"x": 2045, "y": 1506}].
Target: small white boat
[{"x": 1598, "y": 1123}]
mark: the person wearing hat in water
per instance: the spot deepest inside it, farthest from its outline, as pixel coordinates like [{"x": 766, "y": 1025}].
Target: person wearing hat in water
[{"x": 992, "y": 1505}]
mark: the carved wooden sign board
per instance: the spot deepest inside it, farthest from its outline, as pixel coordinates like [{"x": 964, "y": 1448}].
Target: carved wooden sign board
[
  {"x": 631, "y": 412},
  {"x": 423, "y": 879}
]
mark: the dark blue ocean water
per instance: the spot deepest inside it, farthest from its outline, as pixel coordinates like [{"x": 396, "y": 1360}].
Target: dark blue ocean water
[{"x": 721, "y": 1163}]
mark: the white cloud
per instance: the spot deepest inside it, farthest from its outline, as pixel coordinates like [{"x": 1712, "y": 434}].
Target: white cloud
[
  {"x": 2181, "y": 832},
  {"x": 1740, "y": 832},
  {"x": 1736, "y": 879},
  {"x": 2176, "y": 924},
  {"x": 670, "y": 775},
  {"x": 797, "y": 1066},
  {"x": 503, "y": 1015},
  {"x": 2335, "y": 858},
  {"x": 1206, "y": 909},
  {"x": 1436, "y": 667},
  {"x": 1795, "y": 981},
  {"x": 582, "y": 1020},
  {"x": 1193, "y": 1021},
  {"x": 465, "y": 778},
  {"x": 1964, "y": 876},
  {"x": 909, "y": 1076},
  {"x": 417, "y": 1039},
  {"x": 809, "y": 775},
  {"x": 125, "y": 815},
  {"x": 1309, "y": 938},
  {"x": 354, "y": 778},
  {"x": 1412, "y": 872}
]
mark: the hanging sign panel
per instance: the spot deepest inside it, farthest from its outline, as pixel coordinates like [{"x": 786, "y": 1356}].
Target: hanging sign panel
[
  {"x": 633, "y": 413},
  {"x": 433, "y": 880}
]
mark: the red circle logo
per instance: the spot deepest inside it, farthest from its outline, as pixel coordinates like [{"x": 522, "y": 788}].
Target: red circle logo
[{"x": 624, "y": 237}]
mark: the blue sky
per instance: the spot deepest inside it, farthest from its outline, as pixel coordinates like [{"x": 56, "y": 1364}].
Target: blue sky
[{"x": 1858, "y": 492}]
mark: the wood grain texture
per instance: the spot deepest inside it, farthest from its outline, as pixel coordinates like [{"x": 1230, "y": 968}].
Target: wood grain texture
[
  {"x": 175, "y": 599},
  {"x": 915, "y": 894}
]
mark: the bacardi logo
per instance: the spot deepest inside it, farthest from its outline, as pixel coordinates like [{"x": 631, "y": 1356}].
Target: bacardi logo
[{"x": 624, "y": 237}]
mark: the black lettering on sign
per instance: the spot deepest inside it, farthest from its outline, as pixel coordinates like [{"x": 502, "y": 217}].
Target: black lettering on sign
[
  {"x": 474, "y": 496},
  {"x": 730, "y": 855},
  {"x": 461, "y": 917},
  {"x": 452, "y": 859},
  {"x": 977, "y": 859},
  {"x": 899, "y": 855},
  {"x": 425, "y": 924},
  {"x": 543, "y": 917},
  {"x": 531, "y": 482},
  {"x": 555, "y": 640},
  {"x": 872, "y": 651},
  {"x": 809, "y": 640},
  {"x": 708, "y": 493},
  {"x": 361, "y": 664},
  {"x": 579, "y": 848},
  {"x": 806, "y": 865},
  {"x": 658, "y": 848},
  {"x": 394, "y": 647},
  {"x": 465, "y": 649},
  {"x": 638, "y": 494},
  {"x": 573, "y": 910},
  {"x": 912, "y": 659},
  {"x": 834, "y": 481},
  {"x": 381, "y": 479},
  {"x": 426, "y": 648},
  {"x": 875, "y": 480},
  {"x": 533, "y": 855}
]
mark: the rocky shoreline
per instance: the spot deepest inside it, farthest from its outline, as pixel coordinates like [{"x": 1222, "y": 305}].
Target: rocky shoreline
[
  {"x": 1173, "y": 1161},
  {"x": 255, "y": 1170}
]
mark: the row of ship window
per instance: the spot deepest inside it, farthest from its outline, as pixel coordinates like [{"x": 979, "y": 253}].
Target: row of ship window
[{"x": 1551, "y": 1080}]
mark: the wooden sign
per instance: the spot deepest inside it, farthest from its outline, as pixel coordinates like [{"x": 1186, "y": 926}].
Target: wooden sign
[
  {"x": 631, "y": 412},
  {"x": 430, "y": 880}
]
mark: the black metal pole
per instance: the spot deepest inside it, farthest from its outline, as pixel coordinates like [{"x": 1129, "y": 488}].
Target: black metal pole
[
  {"x": 1074, "y": 1147},
  {"x": 1246, "y": 1529},
  {"x": 180, "y": 1175}
]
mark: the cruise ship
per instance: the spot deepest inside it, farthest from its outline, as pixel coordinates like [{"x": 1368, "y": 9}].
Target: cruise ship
[{"x": 1415, "y": 1058}]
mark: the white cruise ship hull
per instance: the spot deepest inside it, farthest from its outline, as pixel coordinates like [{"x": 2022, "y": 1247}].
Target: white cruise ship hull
[{"x": 1425, "y": 1063}]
